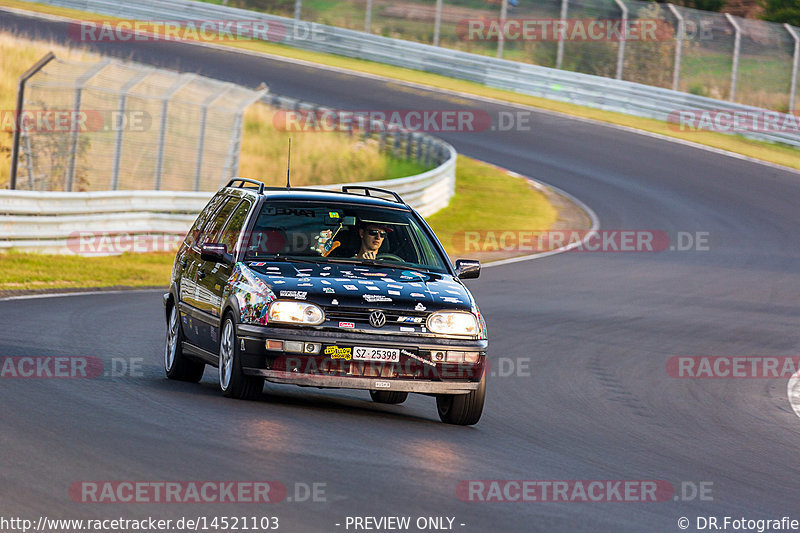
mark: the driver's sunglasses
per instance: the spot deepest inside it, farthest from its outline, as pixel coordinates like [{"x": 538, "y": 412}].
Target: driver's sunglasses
[{"x": 377, "y": 233}]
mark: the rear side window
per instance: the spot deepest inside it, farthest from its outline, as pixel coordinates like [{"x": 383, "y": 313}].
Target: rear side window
[
  {"x": 214, "y": 228},
  {"x": 232, "y": 230},
  {"x": 202, "y": 218}
]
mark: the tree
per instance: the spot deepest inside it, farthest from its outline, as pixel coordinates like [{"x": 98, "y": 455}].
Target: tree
[{"x": 781, "y": 11}]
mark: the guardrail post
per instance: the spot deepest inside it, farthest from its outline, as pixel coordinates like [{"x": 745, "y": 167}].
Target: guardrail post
[
  {"x": 623, "y": 39},
  {"x": 39, "y": 65},
  {"x": 368, "y": 17},
  {"x": 560, "y": 49},
  {"x": 501, "y": 36},
  {"x": 437, "y": 22},
  {"x": 298, "y": 8},
  {"x": 676, "y": 72},
  {"x": 123, "y": 97},
  {"x": 162, "y": 130},
  {"x": 795, "y": 58},
  {"x": 76, "y": 108},
  {"x": 737, "y": 43}
]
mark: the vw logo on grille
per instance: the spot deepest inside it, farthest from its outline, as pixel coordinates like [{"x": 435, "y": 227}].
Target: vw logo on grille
[{"x": 377, "y": 319}]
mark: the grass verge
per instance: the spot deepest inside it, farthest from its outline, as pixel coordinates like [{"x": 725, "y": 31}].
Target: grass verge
[
  {"x": 482, "y": 200},
  {"x": 773, "y": 153}
]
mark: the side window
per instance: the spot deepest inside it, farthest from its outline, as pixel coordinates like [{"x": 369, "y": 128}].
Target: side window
[
  {"x": 214, "y": 226},
  {"x": 202, "y": 218},
  {"x": 234, "y": 227}
]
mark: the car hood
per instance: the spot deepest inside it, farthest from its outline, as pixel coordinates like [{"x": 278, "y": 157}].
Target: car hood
[{"x": 331, "y": 284}]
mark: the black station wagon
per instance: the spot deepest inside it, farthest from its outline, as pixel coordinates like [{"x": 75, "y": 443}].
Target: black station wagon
[{"x": 325, "y": 289}]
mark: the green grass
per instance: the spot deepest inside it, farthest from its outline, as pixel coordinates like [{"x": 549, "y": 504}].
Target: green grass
[
  {"x": 481, "y": 201},
  {"x": 30, "y": 271},
  {"x": 489, "y": 199}
]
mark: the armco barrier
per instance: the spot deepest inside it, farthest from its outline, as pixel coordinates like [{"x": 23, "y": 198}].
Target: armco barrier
[
  {"x": 52, "y": 222},
  {"x": 583, "y": 89}
]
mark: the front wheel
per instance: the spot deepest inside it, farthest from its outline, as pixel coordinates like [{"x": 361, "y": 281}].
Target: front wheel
[
  {"x": 177, "y": 365},
  {"x": 232, "y": 381},
  {"x": 385, "y": 396},
  {"x": 462, "y": 409}
]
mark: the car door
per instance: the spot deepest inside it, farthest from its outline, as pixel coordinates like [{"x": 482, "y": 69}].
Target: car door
[
  {"x": 189, "y": 261},
  {"x": 211, "y": 276}
]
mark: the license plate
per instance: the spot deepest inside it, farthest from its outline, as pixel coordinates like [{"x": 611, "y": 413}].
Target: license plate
[{"x": 364, "y": 353}]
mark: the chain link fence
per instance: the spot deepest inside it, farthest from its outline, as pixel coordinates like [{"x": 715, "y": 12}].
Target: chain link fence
[
  {"x": 705, "y": 61},
  {"x": 110, "y": 125}
]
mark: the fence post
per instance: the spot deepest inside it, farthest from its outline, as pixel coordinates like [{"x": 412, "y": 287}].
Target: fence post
[
  {"x": 795, "y": 58},
  {"x": 676, "y": 73},
  {"x": 123, "y": 98},
  {"x": 201, "y": 141},
  {"x": 560, "y": 49},
  {"x": 162, "y": 130},
  {"x": 501, "y": 36},
  {"x": 39, "y": 65},
  {"x": 736, "y": 47},
  {"x": 623, "y": 39},
  {"x": 29, "y": 161},
  {"x": 368, "y": 17},
  {"x": 437, "y": 22},
  {"x": 232, "y": 157},
  {"x": 76, "y": 108},
  {"x": 298, "y": 8}
]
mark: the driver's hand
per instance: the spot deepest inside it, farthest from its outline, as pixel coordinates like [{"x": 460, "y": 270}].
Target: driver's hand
[{"x": 369, "y": 254}]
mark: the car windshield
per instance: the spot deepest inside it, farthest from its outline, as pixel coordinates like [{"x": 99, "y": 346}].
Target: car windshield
[{"x": 335, "y": 232}]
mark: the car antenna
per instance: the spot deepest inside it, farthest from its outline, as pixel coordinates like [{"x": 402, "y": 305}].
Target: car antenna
[{"x": 289, "y": 164}]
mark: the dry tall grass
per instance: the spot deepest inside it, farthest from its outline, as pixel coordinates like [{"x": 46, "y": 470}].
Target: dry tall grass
[
  {"x": 317, "y": 158},
  {"x": 16, "y": 56}
]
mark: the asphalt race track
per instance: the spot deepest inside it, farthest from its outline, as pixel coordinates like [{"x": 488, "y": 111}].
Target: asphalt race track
[{"x": 586, "y": 337}]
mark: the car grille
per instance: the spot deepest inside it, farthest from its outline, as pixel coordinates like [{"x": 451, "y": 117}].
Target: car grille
[{"x": 361, "y": 316}]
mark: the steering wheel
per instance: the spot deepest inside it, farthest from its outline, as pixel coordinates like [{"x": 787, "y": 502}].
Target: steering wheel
[{"x": 391, "y": 257}]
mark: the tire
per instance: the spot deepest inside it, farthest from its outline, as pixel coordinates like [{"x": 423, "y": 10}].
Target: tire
[
  {"x": 177, "y": 365},
  {"x": 232, "y": 381},
  {"x": 385, "y": 396},
  {"x": 462, "y": 409}
]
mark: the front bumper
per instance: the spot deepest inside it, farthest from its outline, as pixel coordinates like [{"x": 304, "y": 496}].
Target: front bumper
[
  {"x": 351, "y": 382},
  {"x": 416, "y": 371}
]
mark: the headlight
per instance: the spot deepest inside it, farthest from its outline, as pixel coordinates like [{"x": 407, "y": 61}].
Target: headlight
[
  {"x": 295, "y": 313},
  {"x": 453, "y": 323}
]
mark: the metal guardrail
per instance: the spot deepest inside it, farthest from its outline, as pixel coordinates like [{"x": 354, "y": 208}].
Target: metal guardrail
[
  {"x": 91, "y": 223},
  {"x": 573, "y": 87}
]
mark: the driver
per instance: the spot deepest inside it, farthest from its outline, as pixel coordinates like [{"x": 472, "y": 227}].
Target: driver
[{"x": 372, "y": 237}]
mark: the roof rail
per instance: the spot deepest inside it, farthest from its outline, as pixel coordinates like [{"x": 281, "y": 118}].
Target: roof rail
[
  {"x": 348, "y": 188},
  {"x": 244, "y": 181}
]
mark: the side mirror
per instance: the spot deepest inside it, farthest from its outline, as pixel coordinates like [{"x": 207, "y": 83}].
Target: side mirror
[
  {"x": 217, "y": 253},
  {"x": 468, "y": 269}
]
